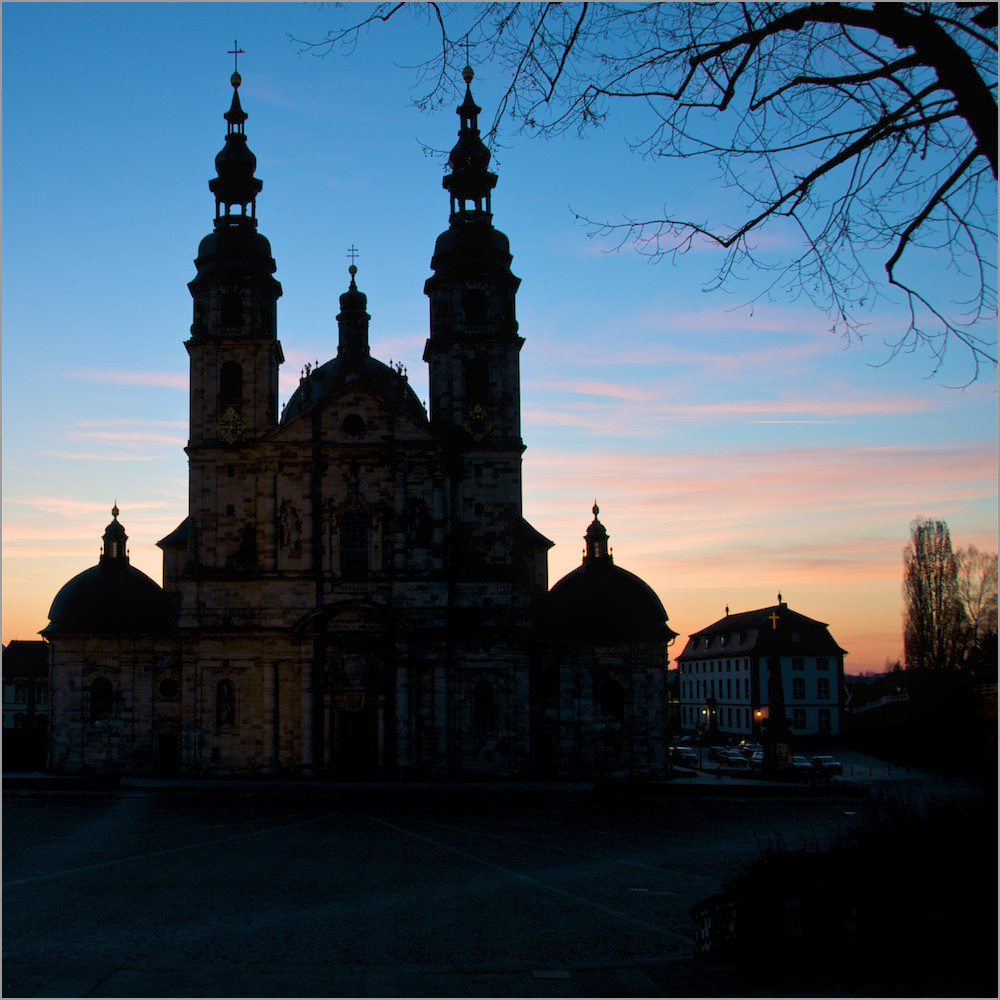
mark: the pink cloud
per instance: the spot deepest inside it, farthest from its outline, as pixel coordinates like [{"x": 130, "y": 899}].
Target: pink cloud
[
  {"x": 164, "y": 380},
  {"x": 592, "y": 387}
]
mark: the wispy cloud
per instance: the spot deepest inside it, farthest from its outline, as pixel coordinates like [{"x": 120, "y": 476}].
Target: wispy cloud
[{"x": 163, "y": 380}]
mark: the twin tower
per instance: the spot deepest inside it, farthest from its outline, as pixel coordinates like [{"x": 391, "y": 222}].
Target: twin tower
[{"x": 355, "y": 591}]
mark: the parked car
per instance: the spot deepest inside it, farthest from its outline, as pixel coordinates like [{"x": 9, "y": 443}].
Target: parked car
[
  {"x": 757, "y": 759},
  {"x": 734, "y": 759},
  {"x": 824, "y": 764},
  {"x": 684, "y": 755},
  {"x": 800, "y": 763},
  {"x": 748, "y": 748}
]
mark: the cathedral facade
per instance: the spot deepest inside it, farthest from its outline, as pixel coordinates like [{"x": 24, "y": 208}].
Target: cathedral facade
[{"x": 355, "y": 590}]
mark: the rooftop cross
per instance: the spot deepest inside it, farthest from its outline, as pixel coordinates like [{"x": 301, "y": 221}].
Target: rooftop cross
[
  {"x": 236, "y": 52},
  {"x": 773, "y": 616},
  {"x": 352, "y": 252}
]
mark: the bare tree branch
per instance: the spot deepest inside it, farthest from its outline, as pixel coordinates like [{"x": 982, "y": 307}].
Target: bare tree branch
[{"x": 871, "y": 128}]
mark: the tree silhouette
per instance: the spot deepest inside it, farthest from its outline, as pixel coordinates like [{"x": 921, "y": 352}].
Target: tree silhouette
[
  {"x": 869, "y": 129},
  {"x": 932, "y": 608}
]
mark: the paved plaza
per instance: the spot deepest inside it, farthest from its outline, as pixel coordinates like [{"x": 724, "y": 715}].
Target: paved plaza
[{"x": 195, "y": 889}]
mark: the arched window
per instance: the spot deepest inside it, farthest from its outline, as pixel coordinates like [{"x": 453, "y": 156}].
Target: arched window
[
  {"x": 475, "y": 307},
  {"x": 101, "y": 698},
  {"x": 612, "y": 701},
  {"x": 484, "y": 708},
  {"x": 21, "y": 692},
  {"x": 477, "y": 386},
  {"x": 41, "y": 692},
  {"x": 225, "y": 704},
  {"x": 232, "y": 310},
  {"x": 231, "y": 384},
  {"x": 354, "y": 546}
]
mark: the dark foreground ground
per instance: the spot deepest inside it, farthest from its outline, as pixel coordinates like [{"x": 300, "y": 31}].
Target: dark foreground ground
[{"x": 215, "y": 892}]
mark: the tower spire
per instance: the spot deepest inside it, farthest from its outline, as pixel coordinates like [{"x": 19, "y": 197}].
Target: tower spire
[
  {"x": 470, "y": 181},
  {"x": 235, "y": 164}
]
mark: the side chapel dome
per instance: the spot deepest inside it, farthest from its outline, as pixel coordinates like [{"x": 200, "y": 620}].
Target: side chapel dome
[
  {"x": 601, "y": 602},
  {"x": 111, "y": 597}
]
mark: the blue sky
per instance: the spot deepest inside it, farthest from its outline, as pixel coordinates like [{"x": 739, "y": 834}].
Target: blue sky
[{"x": 733, "y": 452}]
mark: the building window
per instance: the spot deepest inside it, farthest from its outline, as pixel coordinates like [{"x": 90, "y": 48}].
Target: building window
[
  {"x": 799, "y": 718},
  {"x": 798, "y": 687},
  {"x": 20, "y": 692},
  {"x": 354, "y": 546},
  {"x": 230, "y": 385},
  {"x": 168, "y": 688},
  {"x": 475, "y": 307},
  {"x": 746, "y": 688},
  {"x": 231, "y": 309},
  {"x": 484, "y": 708},
  {"x": 824, "y": 720},
  {"x": 729, "y": 687},
  {"x": 20, "y": 721},
  {"x": 42, "y": 693},
  {"x": 795, "y": 637},
  {"x": 477, "y": 383},
  {"x": 611, "y": 701},
  {"x": 729, "y": 717},
  {"x": 798, "y": 663},
  {"x": 823, "y": 687},
  {"x": 225, "y": 704},
  {"x": 822, "y": 663},
  {"x": 101, "y": 698}
]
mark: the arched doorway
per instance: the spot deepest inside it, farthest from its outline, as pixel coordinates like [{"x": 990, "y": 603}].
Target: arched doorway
[{"x": 358, "y": 649}]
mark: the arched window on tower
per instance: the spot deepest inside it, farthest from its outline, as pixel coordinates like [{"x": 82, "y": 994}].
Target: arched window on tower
[
  {"x": 232, "y": 310},
  {"x": 231, "y": 384},
  {"x": 474, "y": 303},
  {"x": 355, "y": 545},
  {"x": 225, "y": 704},
  {"x": 484, "y": 708},
  {"x": 101, "y": 698},
  {"x": 477, "y": 382},
  {"x": 611, "y": 701}
]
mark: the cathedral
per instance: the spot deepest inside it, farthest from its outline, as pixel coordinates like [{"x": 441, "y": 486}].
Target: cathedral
[{"x": 355, "y": 591}]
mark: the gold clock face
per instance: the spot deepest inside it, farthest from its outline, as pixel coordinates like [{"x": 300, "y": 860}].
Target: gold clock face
[
  {"x": 478, "y": 423},
  {"x": 231, "y": 426}
]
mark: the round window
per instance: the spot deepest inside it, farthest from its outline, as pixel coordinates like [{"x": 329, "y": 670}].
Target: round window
[
  {"x": 354, "y": 424},
  {"x": 168, "y": 688}
]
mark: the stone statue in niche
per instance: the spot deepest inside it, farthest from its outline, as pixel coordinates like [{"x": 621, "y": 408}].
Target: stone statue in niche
[
  {"x": 245, "y": 556},
  {"x": 289, "y": 526},
  {"x": 418, "y": 529}
]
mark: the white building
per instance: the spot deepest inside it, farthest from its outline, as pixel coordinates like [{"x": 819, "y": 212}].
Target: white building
[{"x": 725, "y": 674}]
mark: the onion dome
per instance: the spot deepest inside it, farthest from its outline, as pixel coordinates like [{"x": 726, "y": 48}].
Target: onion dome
[
  {"x": 235, "y": 251},
  {"x": 470, "y": 249},
  {"x": 111, "y": 597},
  {"x": 354, "y": 367},
  {"x": 235, "y": 164},
  {"x": 602, "y": 603},
  {"x": 470, "y": 179}
]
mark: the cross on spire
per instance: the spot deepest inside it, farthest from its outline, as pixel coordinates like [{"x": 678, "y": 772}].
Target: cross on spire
[
  {"x": 352, "y": 252},
  {"x": 236, "y": 52}
]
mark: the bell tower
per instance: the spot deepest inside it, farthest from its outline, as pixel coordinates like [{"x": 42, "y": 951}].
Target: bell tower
[
  {"x": 234, "y": 350},
  {"x": 473, "y": 354}
]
